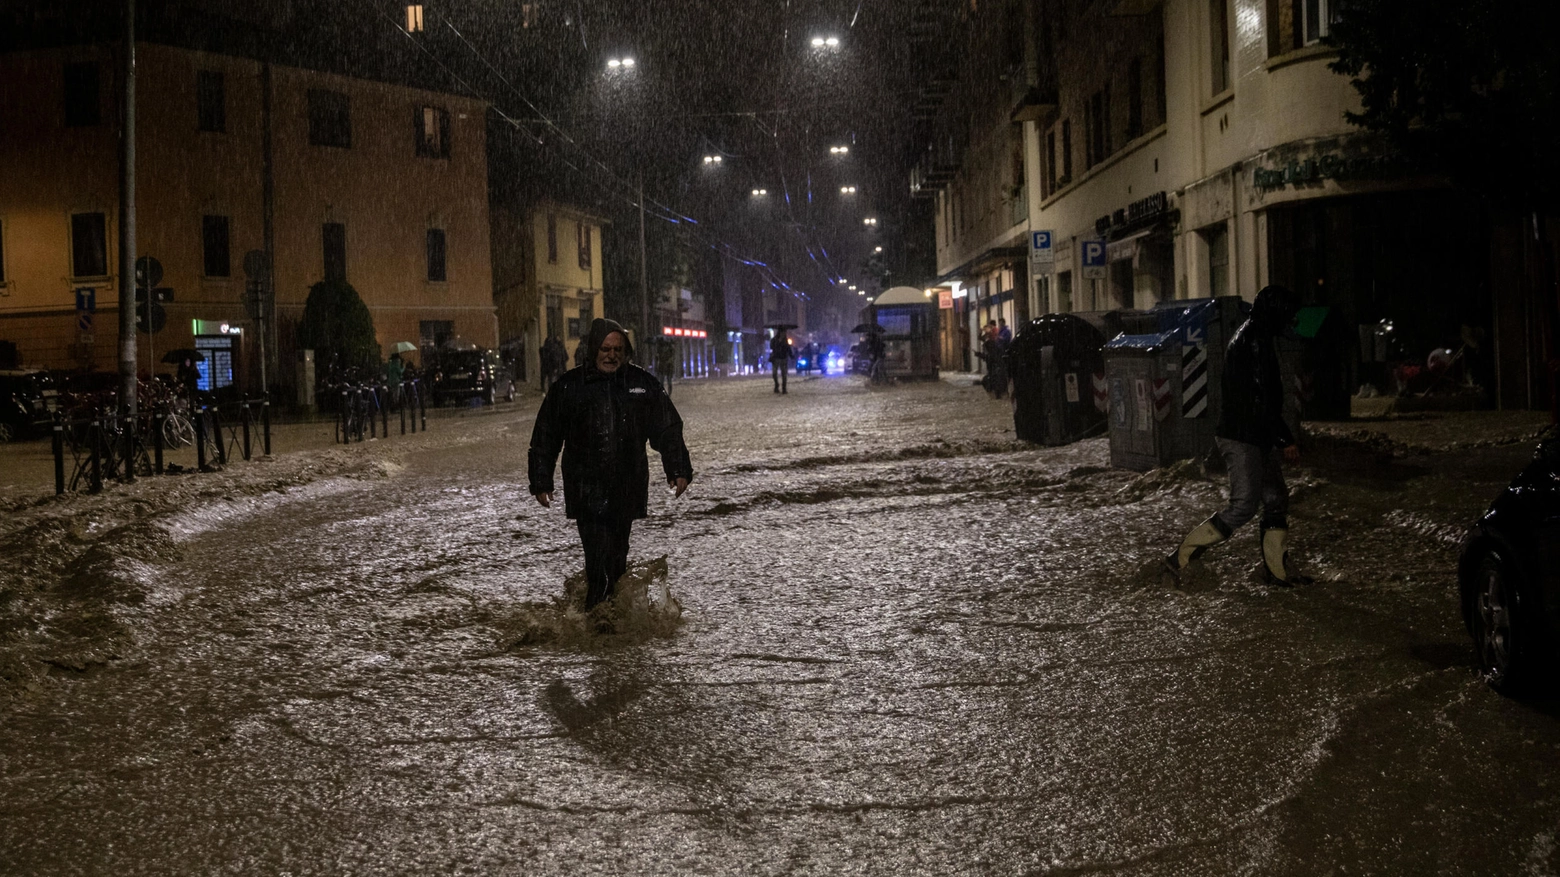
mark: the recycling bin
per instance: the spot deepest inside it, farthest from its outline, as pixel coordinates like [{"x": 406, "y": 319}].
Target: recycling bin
[
  {"x": 1053, "y": 360},
  {"x": 1163, "y": 385}
]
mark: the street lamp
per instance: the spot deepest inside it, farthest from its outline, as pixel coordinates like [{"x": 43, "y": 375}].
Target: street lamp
[
  {"x": 758, "y": 192},
  {"x": 829, "y": 42},
  {"x": 847, "y": 190},
  {"x": 712, "y": 159},
  {"x": 839, "y": 150},
  {"x": 620, "y": 63},
  {"x": 871, "y": 220},
  {"x": 877, "y": 249}
]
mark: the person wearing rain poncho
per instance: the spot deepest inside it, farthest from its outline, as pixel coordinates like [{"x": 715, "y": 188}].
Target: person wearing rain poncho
[
  {"x": 1255, "y": 442},
  {"x": 600, "y": 415}
]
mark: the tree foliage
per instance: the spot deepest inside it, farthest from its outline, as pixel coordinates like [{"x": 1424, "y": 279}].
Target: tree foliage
[
  {"x": 1465, "y": 88},
  {"x": 338, "y": 327}
]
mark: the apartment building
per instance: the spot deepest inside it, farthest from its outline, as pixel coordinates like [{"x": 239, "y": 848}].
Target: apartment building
[
  {"x": 547, "y": 271},
  {"x": 1179, "y": 149},
  {"x": 381, "y": 185}
]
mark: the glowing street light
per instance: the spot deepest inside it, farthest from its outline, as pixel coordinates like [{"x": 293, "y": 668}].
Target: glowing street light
[
  {"x": 620, "y": 63},
  {"x": 847, "y": 190},
  {"x": 757, "y": 192},
  {"x": 877, "y": 249},
  {"x": 830, "y": 42},
  {"x": 871, "y": 220},
  {"x": 839, "y": 150},
  {"x": 712, "y": 159}
]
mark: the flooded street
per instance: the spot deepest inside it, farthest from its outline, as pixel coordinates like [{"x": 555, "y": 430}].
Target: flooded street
[{"x": 909, "y": 645}]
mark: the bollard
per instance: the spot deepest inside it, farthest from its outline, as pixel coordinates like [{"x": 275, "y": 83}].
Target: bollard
[
  {"x": 422, "y": 406},
  {"x": 96, "y": 435},
  {"x": 265, "y": 424},
  {"x": 59, "y": 454},
  {"x": 200, "y": 437},
  {"x": 367, "y": 397},
  {"x": 384, "y": 412},
  {"x": 216, "y": 427},
  {"x": 127, "y": 446},
  {"x": 412, "y": 395},
  {"x": 341, "y": 415},
  {"x": 401, "y": 410},
  {"x": 158, "y": 421},
  {"x": 244, "y": 418}
]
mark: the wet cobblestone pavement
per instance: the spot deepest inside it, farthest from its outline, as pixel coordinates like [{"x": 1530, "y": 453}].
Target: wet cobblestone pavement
[{"x": 909, "y": 645}]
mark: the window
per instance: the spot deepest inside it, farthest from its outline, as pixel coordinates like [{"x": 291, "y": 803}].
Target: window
[
  {"x": 1219, "y": 44},
  {"x": 210, "y": 101},
  {"x": 1097, "y": 121},
  {"x": 82, "y": 105},
  {"x": 1064, "y": 302},
  {"x": 1050, "y": 161},
  {"x": 1066, "y": 152},
  {"x": 587, "y": 313},
  {"x": 582, "y": 232},
  {"x": 436, "y": 269},
  {"x": 433, "y": 132},
  {"x": 552, "y": 239},
  {"x": 1315, "y": 17},
  {"x": 433, "y": 333},
  {"x": 1135, "y": 97},
  {"x": 88, "y": 245},
  {"x": 334, "y": 239},
  {"x": 214, "y": 244},
  {"x": 414, "y": 18},
  {"x": 1217, "y": 239},
  {"x": 330, "y": 118},
  {"x": 530, "y": 14}
]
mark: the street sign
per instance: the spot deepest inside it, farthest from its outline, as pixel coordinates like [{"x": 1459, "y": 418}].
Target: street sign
[
  {"x": 86, "y": 299},
  {"x": 148, "y": 272},
  {"x": 254, "y": 264},
  {"x": 154, "y": 322},
  {"x": 1094, "y": 259},
  {"x": 1040, "y": 250},
  {"x": 254, "y": 291},
  {"x": 84, "y": 321}
]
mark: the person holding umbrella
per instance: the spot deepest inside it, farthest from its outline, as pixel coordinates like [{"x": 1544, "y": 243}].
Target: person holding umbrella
[
  {"x": 600, "y": 417},
  {"x": 780, "y": 355}
]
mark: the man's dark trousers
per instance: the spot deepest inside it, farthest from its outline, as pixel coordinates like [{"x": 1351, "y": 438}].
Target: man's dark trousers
[{"x": 605, "y": 538}]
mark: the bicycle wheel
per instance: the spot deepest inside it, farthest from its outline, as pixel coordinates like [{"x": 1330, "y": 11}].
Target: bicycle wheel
[{"x": 177, "y": 431}]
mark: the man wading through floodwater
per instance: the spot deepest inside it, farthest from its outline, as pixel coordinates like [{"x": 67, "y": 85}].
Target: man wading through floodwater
[{"x": 600, "y": 415}]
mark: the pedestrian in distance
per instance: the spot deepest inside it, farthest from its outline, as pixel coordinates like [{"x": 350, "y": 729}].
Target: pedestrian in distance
[
  {"x": 600, "y": 417},
  {"x": 395, "y": 373},
  {"x": 1255, "y": 442},
  {"x": 553, "y": 361},
  {"x": 1004, "y": 334},
  {"x": 665, "y": 362},
  {"x": 780, "y": 355}
]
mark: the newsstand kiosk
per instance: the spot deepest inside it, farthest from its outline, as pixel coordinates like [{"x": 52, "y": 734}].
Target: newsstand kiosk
[{"x": 1164, "y": 384}]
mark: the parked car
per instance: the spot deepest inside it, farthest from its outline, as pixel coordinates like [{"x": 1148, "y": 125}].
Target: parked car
[
  {"x": 1509, "y": 577},
  {"x": 27, "y": 401},
  {"x": 460, "y": 375}
]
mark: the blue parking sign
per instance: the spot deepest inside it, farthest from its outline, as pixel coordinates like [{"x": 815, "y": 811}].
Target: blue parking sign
[
  {"x": 1093, "y": 259},
  {"x": 86, "y": 299},
  {"x": 1040, "y": 247}
]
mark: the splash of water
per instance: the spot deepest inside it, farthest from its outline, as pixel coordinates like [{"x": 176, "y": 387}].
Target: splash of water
[{"x": 644, "y": 608}]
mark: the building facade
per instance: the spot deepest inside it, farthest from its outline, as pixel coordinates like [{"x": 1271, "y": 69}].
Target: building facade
[
  {"x": 324, "y": 176},
  {"x": 1180, "y": 149},
  {"x": 547, "y": 279}
]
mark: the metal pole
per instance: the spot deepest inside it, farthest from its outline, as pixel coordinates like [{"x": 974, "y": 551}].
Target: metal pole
[
  {"x": 127, "y": 331},
  {"x": 268, "y": 230},
  {"x": 59, "y": 454},
  {"x": 644, "y": 272},
  {"x": 265, "y": 424}
]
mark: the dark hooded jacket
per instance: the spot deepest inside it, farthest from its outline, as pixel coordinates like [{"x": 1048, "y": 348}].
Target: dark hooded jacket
[
  {"x": 1253, "y": 403},
  {"x": 601, "y": 423}
]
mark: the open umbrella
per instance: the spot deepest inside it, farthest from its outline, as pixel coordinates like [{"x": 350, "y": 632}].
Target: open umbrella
[
  {"x": 402, "y": 347},
  {"x": 781, "y": 327},
  {"x": 863, "y": 328},
  {"x": 183, "y": 353}
]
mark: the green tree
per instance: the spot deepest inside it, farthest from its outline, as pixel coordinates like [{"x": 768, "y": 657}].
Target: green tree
[
  {"x": 339, "y": 328},
  {"x": 1465, "y": 88}
]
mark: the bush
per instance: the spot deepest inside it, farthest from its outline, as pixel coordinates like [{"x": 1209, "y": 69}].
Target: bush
[{"x": 339, "y": 328}]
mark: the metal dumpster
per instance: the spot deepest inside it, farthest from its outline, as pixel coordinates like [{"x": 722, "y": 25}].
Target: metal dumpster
[
  {"x": 1164, "y": 384},
  {"x": 1053, "y": 360}
]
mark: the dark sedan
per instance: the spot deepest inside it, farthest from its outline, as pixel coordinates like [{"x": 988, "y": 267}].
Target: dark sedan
[
  {"x": 1509, "y": 577},
  {"x": 462, "y": 375}
]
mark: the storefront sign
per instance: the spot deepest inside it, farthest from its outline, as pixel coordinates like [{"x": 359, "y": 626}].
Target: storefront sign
[
  {"x": 945, "y": 299},
  {"x": 1325, "y": 167}
]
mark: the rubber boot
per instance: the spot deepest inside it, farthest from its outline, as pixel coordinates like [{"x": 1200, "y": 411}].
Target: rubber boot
[
  {"x": 1202, "y": 537},
  {"x": 1275, "y": 559}
]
